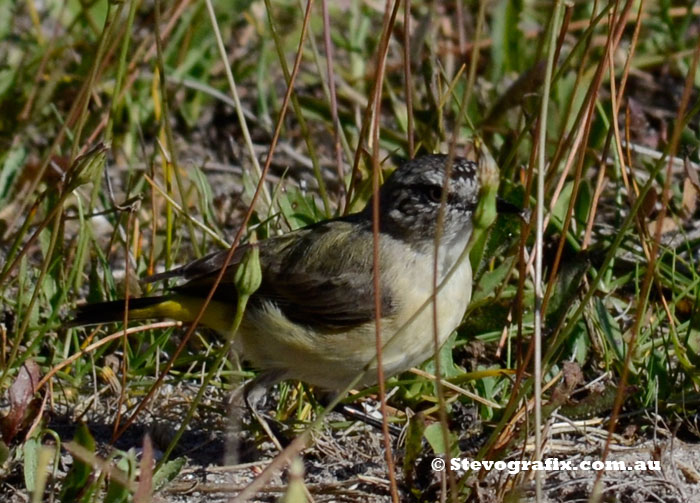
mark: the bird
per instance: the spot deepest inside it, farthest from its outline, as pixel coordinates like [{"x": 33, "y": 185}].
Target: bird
[{"x": 312, "y": 319}]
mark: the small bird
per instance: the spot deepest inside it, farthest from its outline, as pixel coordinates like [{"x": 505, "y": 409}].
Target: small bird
[{"x": 313, "y": 317}]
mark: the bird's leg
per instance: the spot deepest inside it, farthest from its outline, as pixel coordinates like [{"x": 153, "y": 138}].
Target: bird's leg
[{"x": 253, "y": 392}]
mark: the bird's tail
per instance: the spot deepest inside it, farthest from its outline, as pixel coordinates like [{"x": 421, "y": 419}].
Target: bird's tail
[
  {"x": 176, "y": 307},
  {"x": 105, "y": 312}
]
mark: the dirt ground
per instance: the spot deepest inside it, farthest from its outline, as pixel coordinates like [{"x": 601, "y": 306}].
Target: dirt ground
[{"x": 222, "y": 456}]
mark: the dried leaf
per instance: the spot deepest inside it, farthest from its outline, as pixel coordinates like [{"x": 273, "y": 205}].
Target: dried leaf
[
  {"x": 667, "y": 225},
  {"x": 573, "y": 376},
  {"x": 690, "y": 198},
  {"x": 23, "y": 406},
  {"x": 649, "y": 204},
  {"x": 692, "y": 174}
]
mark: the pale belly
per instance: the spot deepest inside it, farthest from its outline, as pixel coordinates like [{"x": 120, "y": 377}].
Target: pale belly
[{"x": 333, "y": 360}]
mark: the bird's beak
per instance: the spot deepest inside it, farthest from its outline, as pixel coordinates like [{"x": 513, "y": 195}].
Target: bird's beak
[{"x": 503, "y": 206}]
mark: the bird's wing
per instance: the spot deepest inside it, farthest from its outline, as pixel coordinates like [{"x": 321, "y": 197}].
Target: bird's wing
[
  {"x": 323, "y": 278},
  {"x": 204, "y": 266},
  {"x": 321, "y": 302},
  {"x": 319, "y": 276}
]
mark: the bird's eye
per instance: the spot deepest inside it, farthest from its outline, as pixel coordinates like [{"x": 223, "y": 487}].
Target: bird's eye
[{"x": 435, "y": 194}]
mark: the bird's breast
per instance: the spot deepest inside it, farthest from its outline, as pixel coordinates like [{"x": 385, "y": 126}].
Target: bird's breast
[{"x": 410, "y": 336}]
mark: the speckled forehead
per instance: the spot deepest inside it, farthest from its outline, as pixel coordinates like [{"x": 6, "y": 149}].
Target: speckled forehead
[
  {"x": 465, "y": 177},
  {"x": 462, "y": 173},
  {"x": 430, "y": 170},
  {"x": 462, "y": 169}
]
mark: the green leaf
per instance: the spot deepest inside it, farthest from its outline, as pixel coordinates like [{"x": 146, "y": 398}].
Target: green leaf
[
  {"x": 579, "y": 343},
  {"x": 448, "y": 368},
  {"x": 6, "y": 19},
  {"x": 488, "y": 388},
  {"x": 433, "y": 434},
  {"x": 296, "y": 492},
  {"x": 30, "y": 450},
  {"x": 76, "y": 481},
  {"x": 485, "y": 213},
  {"x": 167, "y": 473},
  {"x": 506, "y": 52},
  {"x": 559, "y": 211},
  {"x": 11, "y": 166},
  {"x": 491, "y": 280},
  {"x": 87, "y": 167},
  {"x": 693, "y": 345},
  {"x": 299, "y": 209},
  {"x": 659, "y": 383},
  {"x": 116, "y": 493},
  {"x": 492, "y": 315},
  {"x": 414, "y": 444},
  {"x": 4, "y": 452},
  {"x": 566, "y": 287},
  {"x": 584, "y": 200},
  {"x": 611, "y": 330}
]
